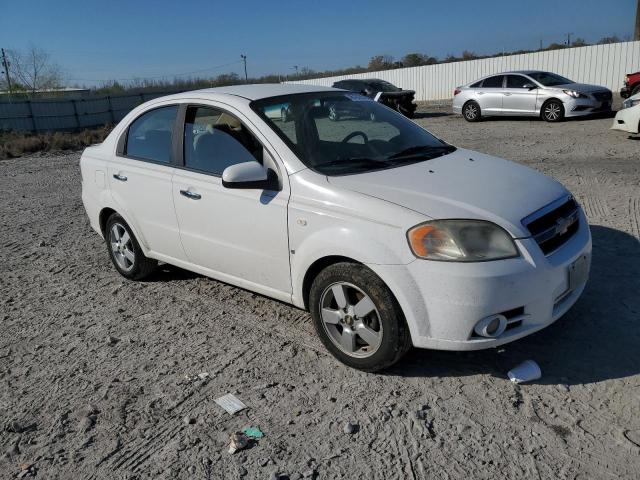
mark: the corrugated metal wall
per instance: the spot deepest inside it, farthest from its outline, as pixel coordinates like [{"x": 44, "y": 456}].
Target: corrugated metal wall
[
  {"x": 66, "y": 114},
  {"x": 598, "y": 64}
]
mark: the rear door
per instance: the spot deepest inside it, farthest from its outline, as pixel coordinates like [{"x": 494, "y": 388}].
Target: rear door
[
  {"x": 139, "y": 178},
  {"x": 519, "y": 100},
  {"x": 490, "y": 94},
  {"x": 239, "y": 235}
]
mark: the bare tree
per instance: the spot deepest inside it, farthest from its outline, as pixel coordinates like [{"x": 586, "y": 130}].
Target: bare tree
[{"x": 34, "y": 69}]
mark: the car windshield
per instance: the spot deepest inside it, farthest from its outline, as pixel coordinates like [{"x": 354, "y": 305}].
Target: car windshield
[
  {"x": 382, "y": 86},
  {"x": 549, "y": 79},
  {"x": 338, "y": 133}
]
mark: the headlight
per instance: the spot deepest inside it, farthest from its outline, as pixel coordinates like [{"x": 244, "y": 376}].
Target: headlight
[
  {"x": 628, "y": 103},
  {"x": 574, "y": 94},
  {"x": 461, "y": 241}
]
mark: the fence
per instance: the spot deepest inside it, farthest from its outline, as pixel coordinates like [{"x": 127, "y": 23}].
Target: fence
[
  {"x": 70, "y": 114},
  {"x": 597, "y": 64}
]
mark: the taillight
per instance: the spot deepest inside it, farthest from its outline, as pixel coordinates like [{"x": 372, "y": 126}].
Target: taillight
[
  {"x": 626, "y": 79},
  {"x": 456, "y": 92}
]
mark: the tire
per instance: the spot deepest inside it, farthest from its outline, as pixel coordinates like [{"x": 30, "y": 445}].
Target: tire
[
  {"x": 369, "y": 332},
  {"x": 552, "y": 111},
  {"x": 124, "y": 250},
  {"x": 471, "y": 112}
]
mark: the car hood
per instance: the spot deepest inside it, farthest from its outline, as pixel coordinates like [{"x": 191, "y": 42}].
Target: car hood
[
  {"x": 463, "y": 184},
  {"x": 581, "y": 87}
]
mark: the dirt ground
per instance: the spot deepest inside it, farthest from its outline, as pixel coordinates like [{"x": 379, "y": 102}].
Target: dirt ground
[{"x": 98, "y": 375}]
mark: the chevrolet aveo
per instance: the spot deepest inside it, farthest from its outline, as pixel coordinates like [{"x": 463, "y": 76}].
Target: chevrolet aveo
[{"x": 388, "y": 235}]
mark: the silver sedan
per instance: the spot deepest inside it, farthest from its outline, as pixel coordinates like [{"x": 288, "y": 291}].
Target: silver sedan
[{"x": 529, "y": 93}]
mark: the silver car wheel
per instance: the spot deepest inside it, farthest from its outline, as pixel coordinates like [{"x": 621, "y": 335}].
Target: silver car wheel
[
  {"x": 121, "y": 247},
  {"x": 351, "y": 320},
  {"x": 471, "y": 111},
  {"x": 552, "y": 111}
]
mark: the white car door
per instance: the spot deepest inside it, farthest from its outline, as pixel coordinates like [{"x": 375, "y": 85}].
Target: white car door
[
  {"x": 238, "y": 235},
  {"x": 519, "y": 96},
  {"x": 140, "y": 180},
  {"x": 490, "y": 94}
]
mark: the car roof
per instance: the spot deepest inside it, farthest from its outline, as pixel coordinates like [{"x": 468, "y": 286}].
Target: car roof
[{"x": 259, "y": 90}]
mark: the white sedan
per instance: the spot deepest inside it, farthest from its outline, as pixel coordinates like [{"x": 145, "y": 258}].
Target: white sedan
[
  {"x": 389, "y": 236},
  {"x": 628, "y": 118}
]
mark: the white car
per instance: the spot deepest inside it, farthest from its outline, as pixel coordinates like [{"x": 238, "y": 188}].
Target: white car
[
  {"x": 628, "y": 118},
  {"x": 388, "y": 235}
]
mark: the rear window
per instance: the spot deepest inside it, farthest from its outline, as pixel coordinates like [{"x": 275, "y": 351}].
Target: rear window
[{"x": 493, "y": 82}]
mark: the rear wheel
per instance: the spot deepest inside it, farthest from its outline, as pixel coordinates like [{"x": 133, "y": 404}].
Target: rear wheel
[
  {"x": 471, "y": 112},
  {"x": 553, "y": 111},
  {"x": 124, "y": 250},
  {"x": 357, "y": 317}
]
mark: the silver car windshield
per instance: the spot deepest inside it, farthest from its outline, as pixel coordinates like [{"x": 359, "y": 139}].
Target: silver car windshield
[
  {"x": 345, "y": 133},
  {"x": 549, "y": 79}
]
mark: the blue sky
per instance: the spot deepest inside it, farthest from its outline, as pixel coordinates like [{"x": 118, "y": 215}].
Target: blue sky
[{"x": 95, "y": 41}]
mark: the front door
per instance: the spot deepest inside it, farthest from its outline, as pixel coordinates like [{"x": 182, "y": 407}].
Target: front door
[
  {"x": 239, "y": 235},
  {"x": 518, "y": 99}
]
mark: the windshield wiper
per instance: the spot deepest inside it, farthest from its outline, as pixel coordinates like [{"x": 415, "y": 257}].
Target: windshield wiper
[
  {"x": 422, "y": 151},
  {"x": 351, "y": 161}
]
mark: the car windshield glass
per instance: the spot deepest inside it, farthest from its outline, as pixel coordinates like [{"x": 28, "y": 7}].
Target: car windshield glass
[
  {"x": 383, "y": 86},
  {"x": 338, "y": 133},
  {"x": 549, "y": 79}
]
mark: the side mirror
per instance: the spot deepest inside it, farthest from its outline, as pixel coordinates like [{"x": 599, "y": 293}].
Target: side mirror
[
  {"x": 530, "y": 86},
  {"x": 249, "y": 175}
]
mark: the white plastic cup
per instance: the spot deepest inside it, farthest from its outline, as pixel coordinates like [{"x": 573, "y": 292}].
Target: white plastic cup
[{"x": 525, "y": 372}]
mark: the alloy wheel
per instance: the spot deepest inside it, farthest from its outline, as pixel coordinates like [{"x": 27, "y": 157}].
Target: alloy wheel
[
  {"x": 552, "y": 111},
  {"x": 351, "y": 320},
  {"x": 471, "y": 111},
  {"x": 121, "y": 247}
]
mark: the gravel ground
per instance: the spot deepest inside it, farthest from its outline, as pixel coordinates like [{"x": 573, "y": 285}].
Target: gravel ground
[{"x": 98, "y": 375}]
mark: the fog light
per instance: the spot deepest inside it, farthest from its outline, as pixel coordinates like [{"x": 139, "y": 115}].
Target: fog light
[{"x": 491, "y": 327}]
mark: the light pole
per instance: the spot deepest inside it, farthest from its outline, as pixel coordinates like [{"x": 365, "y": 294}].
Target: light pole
[
  {"x": 244, "y": 59},
  {"x": 295, "y": 67}
]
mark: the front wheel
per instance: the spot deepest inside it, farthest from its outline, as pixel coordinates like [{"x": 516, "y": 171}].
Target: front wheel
[
  {"x": 553, "y": 111},
  {"x": 124, "y": 250},
  {"x": 357, "y": 317}
]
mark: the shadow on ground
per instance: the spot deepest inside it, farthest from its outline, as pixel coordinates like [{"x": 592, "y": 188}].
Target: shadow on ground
[{"x": 597, "y": 340}]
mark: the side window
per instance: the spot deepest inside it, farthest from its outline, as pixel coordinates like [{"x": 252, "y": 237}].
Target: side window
[
  {"x": 477, "y": 84},
  {"x": 493, "y": 82},
  {"x": 516, "y": 81},
  {"x": 149, "y": 136},
  {"x": 215, "y": 140}
]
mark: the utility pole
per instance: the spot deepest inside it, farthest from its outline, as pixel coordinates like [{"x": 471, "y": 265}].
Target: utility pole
[
  {"x": 636, "y": 36},
  {"x": 244, "y": 59},
  {"x": 5, "y": 65},
  {"x": 569, "y": 39},
  {"x": 295, "y": 67}
]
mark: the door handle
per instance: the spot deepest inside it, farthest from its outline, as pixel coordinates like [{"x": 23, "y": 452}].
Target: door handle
[
  {"x": 191, "y": 195},
  {"x": 507, "y": 94},
  {"x": 117, "y": 176},
  {"x": 480, "y": 93}
]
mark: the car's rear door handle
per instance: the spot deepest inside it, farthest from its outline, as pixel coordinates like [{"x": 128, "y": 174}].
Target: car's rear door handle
[
  {"x": 117, "y": 176},
  {"x": 480, "y": 93},
  {"x": 507, "y": 94},
  {"x": 191, "y": 195}
]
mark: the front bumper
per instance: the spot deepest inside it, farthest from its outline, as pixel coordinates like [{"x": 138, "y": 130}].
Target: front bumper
[
  {"x": 443, "y": 301},
  {"x": 627, "y": 120},
  {"x": 577, "y": 107}
]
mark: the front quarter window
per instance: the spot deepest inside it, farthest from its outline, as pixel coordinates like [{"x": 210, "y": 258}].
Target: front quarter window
[{"x": 341, "y": 133}]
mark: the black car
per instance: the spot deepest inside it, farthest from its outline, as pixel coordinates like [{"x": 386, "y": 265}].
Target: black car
[{"x": 383, "y": 92}]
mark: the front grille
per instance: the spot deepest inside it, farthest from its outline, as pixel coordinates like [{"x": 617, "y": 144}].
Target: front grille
[
  {"x": 602, "y": 96},
  {"x": 552, "y": 228}
]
